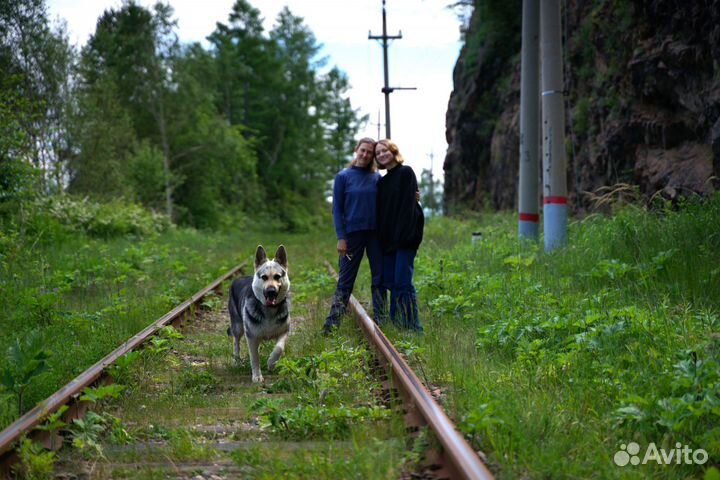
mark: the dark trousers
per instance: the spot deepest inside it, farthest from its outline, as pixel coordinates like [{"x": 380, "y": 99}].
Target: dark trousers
[
  {"x": 398, "y": 269},
  {"x": 358, "y": 244}
]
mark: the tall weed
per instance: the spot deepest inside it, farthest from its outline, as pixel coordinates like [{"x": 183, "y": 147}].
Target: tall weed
[{"x": 553, "y": 360}]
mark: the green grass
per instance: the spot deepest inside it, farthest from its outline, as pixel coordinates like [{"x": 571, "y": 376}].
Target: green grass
[
  {"x": 187, "y": 404},
  {"x": 79, "y": 297},
  {"x": 553, "y": 361},
  {"x": 548, "y": 362},
  {"x": 84, "y": 296}
]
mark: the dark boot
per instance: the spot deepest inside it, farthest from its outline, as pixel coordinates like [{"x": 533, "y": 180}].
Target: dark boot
[
  {"x": 407, "y": 312},
  {"x": 337, "y": 310},
  {"x": 380, "y": 306}
]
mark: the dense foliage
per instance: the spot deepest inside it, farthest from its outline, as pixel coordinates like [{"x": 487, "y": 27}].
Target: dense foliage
[
  {"x": 560, "y": 360},
  {"x": 255, "y": 122},
  {"x": 556, "y": 360}
]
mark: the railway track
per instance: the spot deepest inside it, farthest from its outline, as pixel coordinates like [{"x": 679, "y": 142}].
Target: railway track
[
  {"x": 213, "y": 432},
  {"x": 69, "y": 395}
]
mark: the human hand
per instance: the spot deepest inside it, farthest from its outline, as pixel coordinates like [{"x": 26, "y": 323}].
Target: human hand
[{"x": 342, "y": 247}]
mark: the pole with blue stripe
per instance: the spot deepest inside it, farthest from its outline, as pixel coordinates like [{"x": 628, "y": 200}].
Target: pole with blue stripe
[{"x": 555, "y": 208}]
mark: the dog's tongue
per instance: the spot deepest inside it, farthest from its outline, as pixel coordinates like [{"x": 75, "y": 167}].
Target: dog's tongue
[{"x": 270, "y": 301}]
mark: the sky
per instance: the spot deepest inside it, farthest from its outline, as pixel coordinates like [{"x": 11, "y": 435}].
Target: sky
[{"x": 423, "y": 58}]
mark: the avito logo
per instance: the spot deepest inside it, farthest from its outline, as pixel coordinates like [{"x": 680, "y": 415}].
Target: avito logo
[{"x": 681, "y": 454}]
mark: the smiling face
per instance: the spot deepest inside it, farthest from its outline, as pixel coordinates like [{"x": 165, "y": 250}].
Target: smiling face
[
  {"x": 364, "y": 155},
  {"x": 384, "y": 157}
]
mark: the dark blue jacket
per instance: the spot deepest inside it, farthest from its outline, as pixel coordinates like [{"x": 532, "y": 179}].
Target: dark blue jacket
[{"x": 354, "y": 200}]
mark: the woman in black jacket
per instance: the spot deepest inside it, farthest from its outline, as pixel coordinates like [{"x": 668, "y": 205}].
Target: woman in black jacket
[{"x": 400, "y": 223}]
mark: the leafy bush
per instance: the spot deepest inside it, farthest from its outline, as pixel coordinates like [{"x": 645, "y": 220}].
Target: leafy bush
[
  {"x": 35, "y": 463},
  {"x": 104, "y": 220}
]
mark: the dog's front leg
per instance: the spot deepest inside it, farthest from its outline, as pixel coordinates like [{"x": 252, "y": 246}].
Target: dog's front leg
[
  {"x": 253, "y": 347},
  {"x": 277, "y": 351},
  {"x": 236, "y": 349}
]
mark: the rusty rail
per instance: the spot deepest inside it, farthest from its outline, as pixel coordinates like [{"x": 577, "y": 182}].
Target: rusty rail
[
  {"x": 69, "y": 393},
  {"x": 457, "y": 458}
]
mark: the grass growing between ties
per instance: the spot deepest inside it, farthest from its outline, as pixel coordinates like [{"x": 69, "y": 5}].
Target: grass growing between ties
[
  {"x": 77, "y": 279},
  {"x": 180, "y": 407},
  {"x": 67, "y": 303},
  {"x": 554, "y": 362}
]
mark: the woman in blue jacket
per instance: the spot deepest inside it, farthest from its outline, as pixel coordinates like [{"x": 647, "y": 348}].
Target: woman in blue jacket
[
  {"x": 354, "y": 210},
  {"x": 399, "y": 225}
]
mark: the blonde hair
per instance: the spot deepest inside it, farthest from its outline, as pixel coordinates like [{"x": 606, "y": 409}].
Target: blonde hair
[
  {"x": 371, "y": 141},
  {"x": 392, "y": 148}
]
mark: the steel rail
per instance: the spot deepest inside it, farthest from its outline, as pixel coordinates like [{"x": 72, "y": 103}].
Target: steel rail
[
  {"x": 70, "y": 391},
  {"x": 461, "y": 459},
  {"x": 458, "y": 452}
]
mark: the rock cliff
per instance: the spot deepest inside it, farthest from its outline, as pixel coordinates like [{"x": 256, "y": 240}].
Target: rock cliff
[{"x": 642, "y": 102}]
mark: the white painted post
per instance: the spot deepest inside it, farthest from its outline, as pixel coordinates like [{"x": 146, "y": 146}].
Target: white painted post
[
  {"x": 528, "y": 212},
  {"x": 555, "y": 209}
]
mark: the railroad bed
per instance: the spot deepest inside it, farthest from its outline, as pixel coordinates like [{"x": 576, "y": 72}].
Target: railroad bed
[{"x": 176, "y": 406}]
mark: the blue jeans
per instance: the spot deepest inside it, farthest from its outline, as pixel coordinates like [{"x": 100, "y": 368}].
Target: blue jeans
[
  {"x": 398, "y": 269},
  {"x": 358, "y": 243}
]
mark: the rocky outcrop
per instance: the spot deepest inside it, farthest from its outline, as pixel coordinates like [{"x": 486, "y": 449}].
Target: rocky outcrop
[{"x": 643, "y": 105}]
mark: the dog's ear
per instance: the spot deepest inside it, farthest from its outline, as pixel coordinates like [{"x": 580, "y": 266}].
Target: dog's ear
[
  {"x": 281, "y": 257},
  {"x": 260, "y": 256}
]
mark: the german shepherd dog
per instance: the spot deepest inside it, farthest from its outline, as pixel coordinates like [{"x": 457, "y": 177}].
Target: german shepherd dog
[{"x": 260, "y": 308}]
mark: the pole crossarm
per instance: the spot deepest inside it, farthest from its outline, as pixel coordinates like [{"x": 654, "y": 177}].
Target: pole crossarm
[
  {"x": 384, "y": 37},
  {"x": 392, "y": 89}
]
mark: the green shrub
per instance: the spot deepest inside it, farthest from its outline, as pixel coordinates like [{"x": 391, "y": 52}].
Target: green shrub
[
  {"x": 105, "y": 220},
  {"x": 35, "y": 463}
]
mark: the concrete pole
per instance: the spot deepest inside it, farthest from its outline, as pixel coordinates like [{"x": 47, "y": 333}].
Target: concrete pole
[
  {"x": 528, "y": 212},
  {"x": 555, "y": 209}
]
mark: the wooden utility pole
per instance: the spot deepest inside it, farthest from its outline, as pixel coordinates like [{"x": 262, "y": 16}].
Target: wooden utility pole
[
  {"x": 528, "y": 213},
  {"x": 387, "y": 90},
  {"x": 378, "y": 125},
  {"x": 555, "y": 209}
]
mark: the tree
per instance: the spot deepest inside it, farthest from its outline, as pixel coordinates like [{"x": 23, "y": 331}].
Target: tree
[
  {"x": 315, "y": 118},
  {"x": 248, "y": 76},
  {"x": 430, "y": 192},
  {"x": 38, "y": 60},
  {"x": 215, "y": 156},
  {"x": 133, "y": 51},
  {"x": 162, "y": 95},
  {"x": 102, "y": 130},
  {"x": 17, "y": 176},
  {"x": 338, "y": 119},
  {"x": 270, "y": 86}
]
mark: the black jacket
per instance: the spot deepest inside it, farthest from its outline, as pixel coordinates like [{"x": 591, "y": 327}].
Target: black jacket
[{"x": 399, "y": 220}]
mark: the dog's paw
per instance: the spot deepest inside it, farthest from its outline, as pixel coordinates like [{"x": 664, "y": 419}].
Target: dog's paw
[
  {"x": 258, "y": 378},
  {"x": 237, "y": 361}
]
